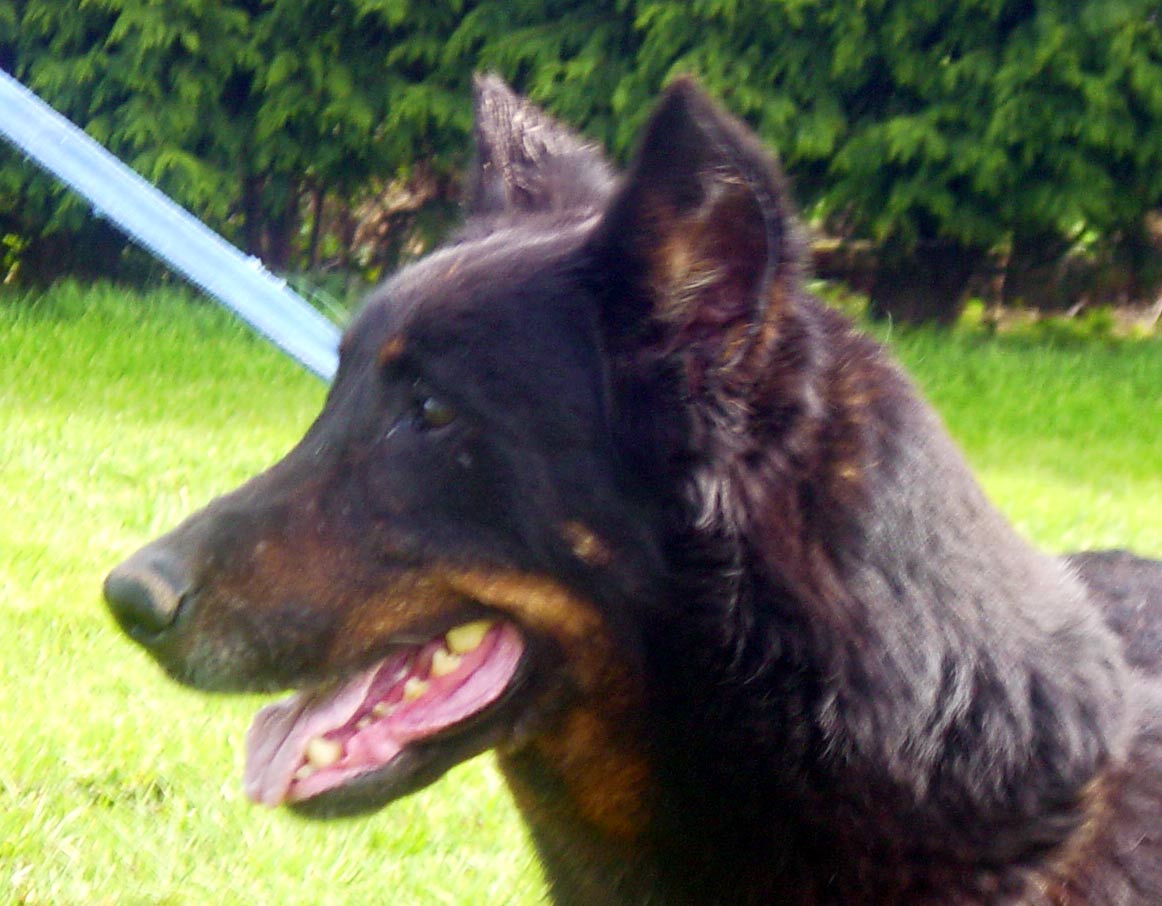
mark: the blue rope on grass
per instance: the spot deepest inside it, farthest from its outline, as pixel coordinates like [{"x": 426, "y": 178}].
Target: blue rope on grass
[{"x": 167, "y": 230}]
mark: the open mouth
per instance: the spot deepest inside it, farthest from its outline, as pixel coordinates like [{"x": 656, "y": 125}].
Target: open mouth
[{"x": 323, "y": 739}]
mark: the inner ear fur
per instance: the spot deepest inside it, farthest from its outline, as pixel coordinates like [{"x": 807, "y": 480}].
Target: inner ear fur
[
  {"x": 700, "y": 242},
  {"x": 527, "y": 162}
]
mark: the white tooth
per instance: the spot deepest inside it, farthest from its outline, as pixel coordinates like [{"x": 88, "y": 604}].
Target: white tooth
[
  {"x": 414, "y": 688},
  {"x": 322, "y": 753},
  {"x": 304, "y": 772},
  {"x": 444, "y": 662},
  {"x": 467, "y": 636},
  {"x": 364, "y": 722},
  {"x": 381, "y": 709}
]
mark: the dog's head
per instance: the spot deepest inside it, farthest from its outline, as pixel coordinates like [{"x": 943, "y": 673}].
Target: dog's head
[{"x": 469, "y": 544}]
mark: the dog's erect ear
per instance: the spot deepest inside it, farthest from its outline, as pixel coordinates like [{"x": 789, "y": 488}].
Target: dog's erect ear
[
  {"x": 528, "y": 162},
  {"x": 698, "y": 252}
]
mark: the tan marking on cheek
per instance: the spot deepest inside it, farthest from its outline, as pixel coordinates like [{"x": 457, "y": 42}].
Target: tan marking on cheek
[
  {"x": 594, "y": 747},
  {"x": 540, "y": 604},
  {"x": 548, "y": 609},
  {"x": 585, "y": 545},
  {"x": 429, "y": 597}
]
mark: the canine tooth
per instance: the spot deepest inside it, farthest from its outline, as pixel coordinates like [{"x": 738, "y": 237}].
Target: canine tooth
[
  {"x": 322, "y": 753},
  {"x": 467, "y": 636},
  {"x": 443, "y": 662},
  {"x": 414, "y": 688}
]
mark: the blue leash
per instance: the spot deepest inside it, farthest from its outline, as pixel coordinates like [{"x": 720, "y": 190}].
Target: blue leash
[{"x": 167, "y": 230}]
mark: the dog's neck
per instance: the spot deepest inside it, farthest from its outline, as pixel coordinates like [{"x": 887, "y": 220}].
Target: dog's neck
[
  {"x": 916, "y": 634},
  {"x": 844, "y": 726}
]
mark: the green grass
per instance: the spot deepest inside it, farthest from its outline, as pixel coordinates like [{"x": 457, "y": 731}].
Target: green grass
[
  {"x": 117, "y": 417},
  {"x": 1064, "y": 433},
  {"x": 120, "y": 414}
]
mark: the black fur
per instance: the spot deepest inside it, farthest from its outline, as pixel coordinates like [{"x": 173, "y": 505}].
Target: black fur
[{"x": 783, "y": 650}]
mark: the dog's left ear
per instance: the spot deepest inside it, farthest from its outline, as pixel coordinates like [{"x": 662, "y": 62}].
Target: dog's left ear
[
  {"x": 527, "y": 162},
  {"x": 698, "y": 253}
]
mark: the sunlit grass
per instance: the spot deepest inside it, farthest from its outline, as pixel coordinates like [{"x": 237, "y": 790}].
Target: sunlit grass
[
  {"x": 120, "y": 414},
  {"x": 1065, "y": 434}
]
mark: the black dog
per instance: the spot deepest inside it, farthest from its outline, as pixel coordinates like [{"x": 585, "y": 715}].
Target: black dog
[{"x": 599, "y": 485}]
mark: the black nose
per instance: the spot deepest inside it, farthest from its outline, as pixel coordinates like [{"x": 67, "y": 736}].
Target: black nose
[{"x": 145, "y": 591}]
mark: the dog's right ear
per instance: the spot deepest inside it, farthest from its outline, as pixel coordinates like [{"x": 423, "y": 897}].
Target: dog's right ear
[
  {"x": 698, "y": 256},
  {"x": 527, "y": 162}
]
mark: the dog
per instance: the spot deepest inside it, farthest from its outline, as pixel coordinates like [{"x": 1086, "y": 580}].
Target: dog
[{"x": 600, "y": 486}]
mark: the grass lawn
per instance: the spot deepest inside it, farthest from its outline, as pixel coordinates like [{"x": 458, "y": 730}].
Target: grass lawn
[{"x": 120, "y": 414}]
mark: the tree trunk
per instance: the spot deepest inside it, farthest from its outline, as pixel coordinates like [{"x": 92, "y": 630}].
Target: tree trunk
[
  {"x": 270, "y": 218},
  {"x": 282, "y": 227},
  {"x": 318, "y": 197},
  {"x": 252, "y": 218},
  {"x": 1039, "y": 273},
  {"x": 923, "y": 285}
]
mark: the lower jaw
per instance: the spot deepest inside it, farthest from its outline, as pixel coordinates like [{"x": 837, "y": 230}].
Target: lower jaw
[
  {"x": 418, "y": 765},
  {"x": 370, "y": 791}
]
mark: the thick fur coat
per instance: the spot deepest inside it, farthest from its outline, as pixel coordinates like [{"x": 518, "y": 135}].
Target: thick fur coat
[{"x": 753, "y": 634}]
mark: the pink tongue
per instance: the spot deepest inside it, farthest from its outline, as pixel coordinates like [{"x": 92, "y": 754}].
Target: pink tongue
[{"x": 278, "y": 737}]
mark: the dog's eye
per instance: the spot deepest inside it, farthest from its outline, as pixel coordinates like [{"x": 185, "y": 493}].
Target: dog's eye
[{"x": 432, "y": 413}]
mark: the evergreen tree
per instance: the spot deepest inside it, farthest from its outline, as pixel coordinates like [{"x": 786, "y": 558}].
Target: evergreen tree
[
  {"x": 242, "y": 110},
  {"x": 939, "y": 130}
]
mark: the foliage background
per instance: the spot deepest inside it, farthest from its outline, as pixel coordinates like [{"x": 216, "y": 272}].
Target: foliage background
[
  {"x": 949, "y": 138},
  {"x": 1019, "y": 134}
]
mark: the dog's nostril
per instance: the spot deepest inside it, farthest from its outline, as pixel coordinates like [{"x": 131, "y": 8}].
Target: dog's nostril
[{"x": 144, "y": 592}]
